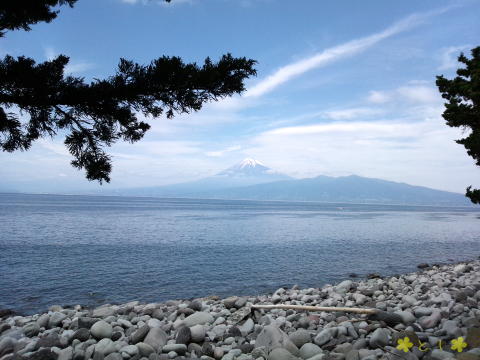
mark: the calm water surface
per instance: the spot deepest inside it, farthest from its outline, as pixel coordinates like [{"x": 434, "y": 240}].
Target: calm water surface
[{"x": 90, "y": 250}]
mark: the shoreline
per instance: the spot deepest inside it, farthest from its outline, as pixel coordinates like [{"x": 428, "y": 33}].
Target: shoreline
[
  {"x": 472, "y": 207},
  {"x": 435, "y": 304}
]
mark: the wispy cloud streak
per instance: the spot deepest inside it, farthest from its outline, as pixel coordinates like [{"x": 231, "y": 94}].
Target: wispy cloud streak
[{"x": 338, "y": 52}]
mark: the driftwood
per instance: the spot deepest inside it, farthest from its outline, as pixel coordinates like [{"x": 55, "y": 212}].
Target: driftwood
[{"x": 373, "y": 314}]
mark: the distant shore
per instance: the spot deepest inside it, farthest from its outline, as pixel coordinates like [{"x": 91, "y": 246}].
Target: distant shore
[{"x": 433, "y": 306}]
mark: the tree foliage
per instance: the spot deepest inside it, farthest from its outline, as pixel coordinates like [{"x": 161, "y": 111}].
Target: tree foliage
[
  {"x": 462, "y": 108},
  {"x": 20, "y": 14},
  {"x": 39, "y": 100}
]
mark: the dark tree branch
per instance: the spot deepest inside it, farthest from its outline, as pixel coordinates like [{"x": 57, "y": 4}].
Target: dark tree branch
[
  {"x": 462, "y": 108},
  {"x": 55, "y": 102}
]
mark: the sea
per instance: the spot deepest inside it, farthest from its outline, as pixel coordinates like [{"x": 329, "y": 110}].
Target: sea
[{"x": 92, "y": 250}]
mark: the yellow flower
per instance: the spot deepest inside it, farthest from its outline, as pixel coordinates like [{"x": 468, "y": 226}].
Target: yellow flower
[
  {"x": 404, "y": 344},
  {"x": 458, "y": 344}
]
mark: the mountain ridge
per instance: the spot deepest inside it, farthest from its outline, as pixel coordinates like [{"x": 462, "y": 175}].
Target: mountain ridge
[{"x": 252, "y": 180}]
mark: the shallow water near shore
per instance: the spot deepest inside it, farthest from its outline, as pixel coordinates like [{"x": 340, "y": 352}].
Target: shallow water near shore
[{"x": 92, "y": 250}]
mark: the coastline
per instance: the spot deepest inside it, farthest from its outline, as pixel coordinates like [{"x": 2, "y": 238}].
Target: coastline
[{"x": 436, "y": 305}]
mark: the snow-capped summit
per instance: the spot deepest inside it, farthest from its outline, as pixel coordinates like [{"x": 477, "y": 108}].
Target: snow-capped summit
[
  {"x": 248, "y": 162},
  {"x": 252, "y": 169}
]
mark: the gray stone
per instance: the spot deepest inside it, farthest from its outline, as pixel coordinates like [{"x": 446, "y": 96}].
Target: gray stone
[
  {"x": 145, "y": 349},
  {"x": 49, "y": 341},
  {"x": 158, "y": 314},
  {"x": 42, "y": 321},
  {"x": 208, "y": 350},
  {"x": 78, "y": 354},
  {"x": 156, "y": 338},
  {"x": 105, "y": 346},
  {"x": 154, "y": 323},
  {"x": 114, "y": 356},
  {"x": 309, "y": 350},
  {"x": 86, "y": 322},
  {"x": 140, "y": 334},
  {"x": 103, "y": 312},
  {"x": 198, "y": 318},
  {"x": 183, "y": 335},
  {"x": 196, "y": 305},
  {"x": 7, "y": 345},
  {"x": 407, "y": 317},
  {"x": 344, "y": 286},
  {"x": 230, "y": 302},
  {"x": 300, "y": 337},
  {"x": 379, "y": 338},
  {"x": 271, "y": 338},
  {"x": 438, "y": 354},
  {"x": 234, "y": 331},
  {"x": 246, "y": 348},
  {"x": 65, "y": 354},
  {"x": 239, "y": 315},
  {"x": 81, "y": 334},
  {"x": 352, "y": 355},
  {"x": 194, "y": 350},
  {"x": 55, "y": 319},
  {"x": 281, "y": 354},
  {"x": 247, "y": 327},
  {"x": 197, "y": 333},
  {"x": 318, "y": 357},
  {"x": 101, "y": 329},
  {"x": 219, "y": 330},
  {"x": 241, "y": 302},
  {"x": 180, "y": 349},
  {"x": 324, "y": 336},
  {"x": 97, "y": 356},
  {"x": 31, "y": 329},
  {"x": 422, "y": 311},
  {"x": 344, "y": 348},
  {"x": 42, "y": 354},
  {"x": 429, "y": 322},
  {"x": 452, "y": 329},
  {"x": 130, "y": 350}
]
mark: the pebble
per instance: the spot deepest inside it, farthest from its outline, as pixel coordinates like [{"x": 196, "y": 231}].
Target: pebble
[
  {"x": 439, "y": 303},
  {"x": 197, "y": 333},
  {"x": 309, "y": 350},
  {"x": 101, "y": 329}
]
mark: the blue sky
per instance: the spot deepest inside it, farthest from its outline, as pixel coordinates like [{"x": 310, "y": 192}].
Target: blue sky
[{"x": 343, "y": 87}]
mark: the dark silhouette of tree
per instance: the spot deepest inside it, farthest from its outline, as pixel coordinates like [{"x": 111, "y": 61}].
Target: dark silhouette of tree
[
  {"x": 92, "y": 116},
  {"x": 463, "y": 107}
]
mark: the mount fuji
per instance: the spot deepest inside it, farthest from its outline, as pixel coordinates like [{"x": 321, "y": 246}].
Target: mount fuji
[
  {"x": 247, "y": 172},
  {"x": 252, "y": 180}
]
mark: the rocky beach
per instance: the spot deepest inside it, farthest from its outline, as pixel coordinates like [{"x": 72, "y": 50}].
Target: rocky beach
[{"x": 435, "y": 315}]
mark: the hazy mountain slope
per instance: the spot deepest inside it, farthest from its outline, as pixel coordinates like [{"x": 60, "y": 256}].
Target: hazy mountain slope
[
  {"x": 250, "y": 179},
  {"x": 245, "y": 173},
  {"x": 352, "y": 189}
]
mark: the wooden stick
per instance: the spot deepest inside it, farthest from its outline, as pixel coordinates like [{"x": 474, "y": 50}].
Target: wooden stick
[{"x": 318, "y": 308}]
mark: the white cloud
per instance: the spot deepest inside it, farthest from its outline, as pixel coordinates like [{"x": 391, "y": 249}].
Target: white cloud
[
  {"x": 414, "y": 93},
  {"x": 449, "y": 55},
  {"x": 421, "y": 153},
  {"x": 220, "y": 153},
  {"x": 378, "y": 97},
  {"x": 159, "y": 2},
  {"x": 338, "y": 52},
  {"x": 351, "y": 113},
  {"x": 72, "y": 67},
  {"x": 419, "y": 94}
]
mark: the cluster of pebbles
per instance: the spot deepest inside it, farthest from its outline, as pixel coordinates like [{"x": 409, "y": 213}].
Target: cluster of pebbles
[{"x": 435, "y": 305}]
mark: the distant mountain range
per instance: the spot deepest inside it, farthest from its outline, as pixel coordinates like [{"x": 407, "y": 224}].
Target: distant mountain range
[{"x": 252, "y": 180}]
